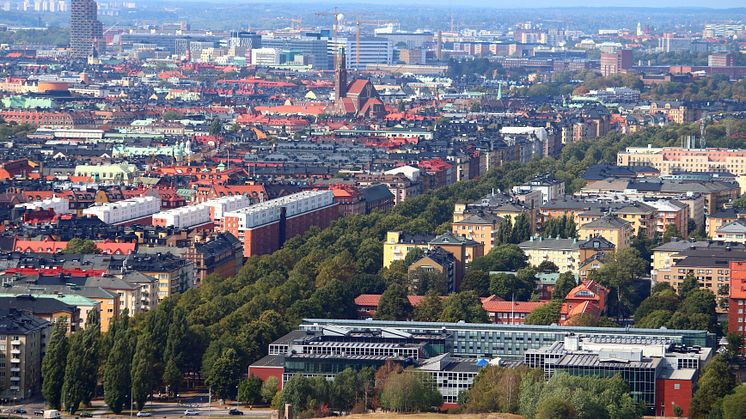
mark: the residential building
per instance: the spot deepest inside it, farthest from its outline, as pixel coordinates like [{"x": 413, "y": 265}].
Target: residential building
[
  {"x": 438, "y": 262},
  {"x": 613, "y": 229},
  {"x": 49, "y": 309},
  {"x": 86, "y": 32},
  {"x": 565, "y": 253},
  {"x": 670, "y": 159},
  {"x": 220, "y": 254},
  {"x": 616, "y": 62},
  {"x": 174, "y": 274},
  {"x": 22, "y": 339}
]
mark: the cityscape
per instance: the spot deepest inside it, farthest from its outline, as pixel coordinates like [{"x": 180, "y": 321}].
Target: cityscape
[{"x": 375, "y": 209}]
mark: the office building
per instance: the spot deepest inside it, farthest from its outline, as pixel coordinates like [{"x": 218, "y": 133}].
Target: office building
[
  {"x": 265, "y": 56},
  {"x": 241, "y": 42},
  {"x": 616, "y": 62},
  {"x": 126, "y": 211},
  {"x": 86, "y": 32},
  {"x": 721, "y": 59},
  {"x": 660, "y": 373},
  {"x": 315, "y": 50},
  {"x": 373, "y": 51}
]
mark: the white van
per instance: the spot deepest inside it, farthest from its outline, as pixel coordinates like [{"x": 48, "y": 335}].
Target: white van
[{"x": 52, "y": 414}]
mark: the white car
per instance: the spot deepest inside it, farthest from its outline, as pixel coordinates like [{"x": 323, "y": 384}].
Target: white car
[
  {"x": 191, "y": 412},
  {"x": 144, "y": 414}
]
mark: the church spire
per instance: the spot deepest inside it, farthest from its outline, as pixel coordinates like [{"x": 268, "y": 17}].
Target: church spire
[{"x": 340, "y": 75}]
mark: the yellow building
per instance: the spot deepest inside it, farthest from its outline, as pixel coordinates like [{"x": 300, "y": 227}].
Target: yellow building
[
  {"x": 613, "y": 229},
  {"x": 565, "y": 253},
  {"x": 121, "y": 172},
  {"x": 480, "y": 227},
  {"x": 398, "y": 244}
]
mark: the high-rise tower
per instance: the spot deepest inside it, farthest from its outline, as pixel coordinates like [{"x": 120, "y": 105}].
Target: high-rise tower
[{"x": 86, "y": 32}]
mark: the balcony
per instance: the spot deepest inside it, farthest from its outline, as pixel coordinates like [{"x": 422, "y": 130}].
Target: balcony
[
  {"x": 15, "y": 378},
  {"x": 15, "y": 351},
  {"x": 15, "y": 360},
  {"x": 15, "y": 342},
  {"x": 14, "y": 388},
  {"x": 15, "y": 369}
]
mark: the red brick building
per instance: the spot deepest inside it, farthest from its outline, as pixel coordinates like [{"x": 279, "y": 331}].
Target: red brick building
[
  {"x": 737, "y": 300},
  {"x": 264, "y": 227}
]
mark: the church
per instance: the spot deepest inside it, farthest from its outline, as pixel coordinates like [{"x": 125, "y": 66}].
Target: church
[{"x": 358, "y": 98}]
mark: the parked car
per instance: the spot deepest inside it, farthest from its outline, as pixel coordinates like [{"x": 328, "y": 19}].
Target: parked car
[
  {"x": 19, "y": 411},
  {"x": 85, "y": 414},
  {"x": 191, "y": 412},
  {"x": 38, "y": 413},
  {"x": 144, "y": 414},
  {"x": 235, "y": 412}
]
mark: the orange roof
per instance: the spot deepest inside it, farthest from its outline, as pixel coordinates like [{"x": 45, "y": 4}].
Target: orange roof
[
  {"x": 305, "y": 109},
  {"x": 356, "y": 87},
  {"x": 114, "y": 248},
  {"x": 40, "y": 246},
  {"x": 372, "y": 300},
  {"x": 511, "y": 306}
]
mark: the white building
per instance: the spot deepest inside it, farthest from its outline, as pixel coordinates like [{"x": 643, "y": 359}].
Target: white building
[
  {"x": 127, "y": 210},
  {"x": 183, "y": 217},
  {"x": 372, "y": 51},
  {"x": 265, "y": 56},
  {"x": 58, "y": 205},
  {"x": 218, "y": 207}
]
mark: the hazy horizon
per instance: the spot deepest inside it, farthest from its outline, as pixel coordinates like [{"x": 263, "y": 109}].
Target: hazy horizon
[{"x": 502, "y": 4}]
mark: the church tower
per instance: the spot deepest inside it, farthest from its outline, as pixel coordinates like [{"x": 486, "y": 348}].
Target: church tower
[{"x": 340, "y": 75}]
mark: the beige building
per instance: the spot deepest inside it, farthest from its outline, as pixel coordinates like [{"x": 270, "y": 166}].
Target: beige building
[
  {"x": 613, "y": 229},
  {"x": 670, "y": 159},
  {"x": 22, "y": 338},
  {"x": 565, "y": 253}
]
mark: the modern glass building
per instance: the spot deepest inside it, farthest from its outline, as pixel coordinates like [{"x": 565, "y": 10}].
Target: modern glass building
[{"x": 512, "y": 341}]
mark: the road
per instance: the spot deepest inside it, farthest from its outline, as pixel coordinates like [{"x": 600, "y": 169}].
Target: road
[{"x": 157, "y": 409}]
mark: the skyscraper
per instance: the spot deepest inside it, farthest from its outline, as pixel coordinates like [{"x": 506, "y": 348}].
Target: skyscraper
[{"x": 86, "y": 32}]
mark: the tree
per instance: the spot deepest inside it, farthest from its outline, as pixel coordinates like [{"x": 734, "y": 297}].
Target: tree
[
  {"x": 351, "y": 388},
  {"x": 224, "y": 375},
  {"x": 81, "y": 246},
  {"x": 429, "y": 309},
  {"x": 171, "y": 115},
  {"x": 654, "y": 320},
  {"x": 734, "y": 405},
  {"x": 53, "y": 365},
  {"x": 670, "y": 233},
  {"x": 250, "y": 390},
  {"x": 521, "y": 229},
  {"x": 589, "y": 397},
  {"x": 476, "y": 280},
  {"x": 426, "y": 280},
  {"x": 117, "y": 383},
  {"x": 545, "y": 315},
  {"x": 518, "y": 287},
  {"x": 663, "y": 300},
  {"x": 394, "y": 304},
  {"x": 555, "y": 407},
  {"x": 505, "y": 231},
  {"x": 508, "y": 257},
  {"x": 269, "y": 388},
  {"x": 463, "y": 306},
  {"x": 688, "y": 285},
  {"x": 565, "y": 283},
  {"x": 547, "y": 267},
  {"x": 409, "y": 392},
  {"x": 715, "y": 383},
  {"x": 143, "y": 371},
  {"x": 734, "y": 346},
  {"x": 619, "y": 273},
  {"x": 216, "y": 127},
  {"x": 496, "y": 389},
  {"x": 174, "y": 353},
  {"x": 81, "y": 369}
]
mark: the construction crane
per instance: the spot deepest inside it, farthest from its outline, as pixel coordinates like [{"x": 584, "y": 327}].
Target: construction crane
[
  {"x": 358, "y": 24},
  {"x": 336, "y": 18},
  {"x": 296, "y": 24}
]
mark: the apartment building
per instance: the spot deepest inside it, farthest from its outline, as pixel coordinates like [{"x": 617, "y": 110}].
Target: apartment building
[{"x": 22, "y": 339}]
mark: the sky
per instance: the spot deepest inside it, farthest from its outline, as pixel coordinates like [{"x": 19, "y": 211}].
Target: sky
[{"x": 519, "y": 4}]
